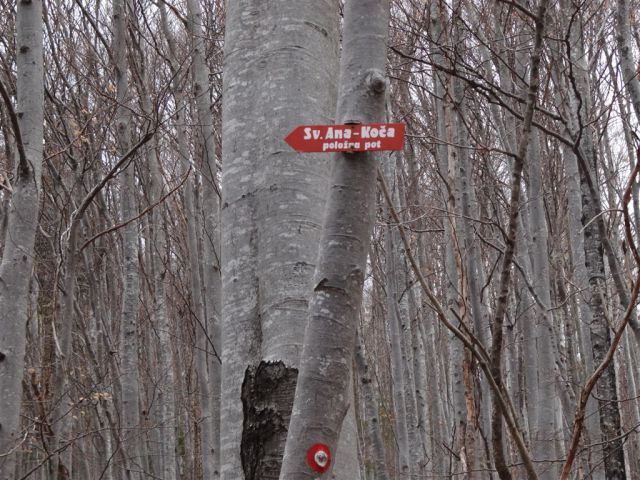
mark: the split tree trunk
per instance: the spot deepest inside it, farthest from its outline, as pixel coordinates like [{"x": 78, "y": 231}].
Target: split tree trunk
[{"x": 321, "y": 400}]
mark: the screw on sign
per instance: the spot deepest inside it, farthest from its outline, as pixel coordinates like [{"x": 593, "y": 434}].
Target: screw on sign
[{"x": 319, "y": 457}]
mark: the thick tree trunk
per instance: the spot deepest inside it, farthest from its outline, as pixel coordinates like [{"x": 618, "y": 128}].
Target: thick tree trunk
[
  {"x": 322, "y": 398},
  {"x": 22, "y": 221},
  {"x": 279, "y": 57}
]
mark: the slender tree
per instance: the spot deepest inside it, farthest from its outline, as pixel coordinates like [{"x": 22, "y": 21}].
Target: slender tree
[{"x": 22, "y": 222}]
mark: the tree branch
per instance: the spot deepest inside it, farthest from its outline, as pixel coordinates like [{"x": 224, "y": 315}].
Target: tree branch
[
  {"x": 118, "y": 226},
  {"x": 15, "y": 126}
]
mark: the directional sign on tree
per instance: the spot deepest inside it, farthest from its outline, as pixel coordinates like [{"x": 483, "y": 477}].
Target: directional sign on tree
[{"x": 347, "y": 138}]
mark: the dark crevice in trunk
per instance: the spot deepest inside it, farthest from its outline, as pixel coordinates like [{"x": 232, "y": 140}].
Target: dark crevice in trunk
[{"x": 267, "y": 399}]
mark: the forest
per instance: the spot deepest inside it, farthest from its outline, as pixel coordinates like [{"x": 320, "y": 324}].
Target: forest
[{"x": 184, "y": 296}]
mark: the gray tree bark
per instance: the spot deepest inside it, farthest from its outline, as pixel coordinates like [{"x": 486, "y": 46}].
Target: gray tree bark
[
  {"x": 627, "y": 60},
  {"x": 393, "y": 288},
  {"x": 543, "y": 432},
  {"x": 371, "y": 419},
  {"x": 22, "y": 222},
  {"x": 606, "y": 389},
  {"x": 599, "y": 334},
  {"x": 279, "y": 57},
  {"x": 209, "y": 338},
  {"x": 321, "y": 399},
  {"x": 129, "y": 378}
]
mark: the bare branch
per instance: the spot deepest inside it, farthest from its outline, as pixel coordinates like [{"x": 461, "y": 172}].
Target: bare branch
[{"x": 24, "y": 168}]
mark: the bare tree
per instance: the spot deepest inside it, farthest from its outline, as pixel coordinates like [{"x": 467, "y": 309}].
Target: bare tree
[{"x": 22, "y": 222}]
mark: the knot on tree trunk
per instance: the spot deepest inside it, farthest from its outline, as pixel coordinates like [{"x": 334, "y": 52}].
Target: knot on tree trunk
[{"x": 376, "y": 81}]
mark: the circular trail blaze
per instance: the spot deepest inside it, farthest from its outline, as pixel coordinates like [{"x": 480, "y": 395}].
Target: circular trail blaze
[{"x": 319, "y": 457}]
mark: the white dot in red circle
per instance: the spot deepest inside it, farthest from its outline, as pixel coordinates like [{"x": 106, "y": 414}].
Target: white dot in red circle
[{"x": 319, "y": 457}]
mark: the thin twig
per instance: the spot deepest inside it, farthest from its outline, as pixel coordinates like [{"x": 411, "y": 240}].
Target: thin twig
[{"x": 118, "y": 226}]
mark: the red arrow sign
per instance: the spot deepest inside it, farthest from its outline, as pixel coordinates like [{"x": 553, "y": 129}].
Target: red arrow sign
[{"x": 368, "y": 137}]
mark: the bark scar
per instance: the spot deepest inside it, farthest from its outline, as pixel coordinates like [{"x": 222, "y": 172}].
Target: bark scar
[
  {"x": 376, "y": 81},
  {"x": 327, "y": 285}
]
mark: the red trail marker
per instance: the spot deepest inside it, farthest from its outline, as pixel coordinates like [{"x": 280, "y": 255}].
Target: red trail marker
[{"x": 359, "y": 137}]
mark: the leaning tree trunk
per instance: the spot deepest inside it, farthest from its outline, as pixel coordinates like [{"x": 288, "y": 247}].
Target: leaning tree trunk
[
  {"x": 22, "y": 222},
  {"x": 321, "y": 399}
]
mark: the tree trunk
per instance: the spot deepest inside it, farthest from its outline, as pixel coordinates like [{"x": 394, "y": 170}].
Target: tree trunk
[
  {"x": 627, "y": 61},
  {"x": 209, "y": 339},
  {"x": 321, "y": 400},
  {"x": 606, "y": 389},
  {"x": 279, "y": 57},
  {"x": 394, "y": 287},
  {"x": 371, "y": 419},
  {"x": 22, "y": 222},
  {"x": 129, "y": 378},
  {"x": 543, "y": 432},
  {"x": 585, "y": 153},
  {"x": 510, "y": 240}
]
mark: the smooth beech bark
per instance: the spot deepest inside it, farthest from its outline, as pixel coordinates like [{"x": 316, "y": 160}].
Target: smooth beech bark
[
  {"x": 21, "y": 225},
  {"x": 129, "y": 379},
  {"x": 322, "y": 399},
  {"x": 281, "y": 63},
  {"x": 543, "y": 433},
  {"x": 371, "y": 418},
  {"x": 208, "y": 354}
]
